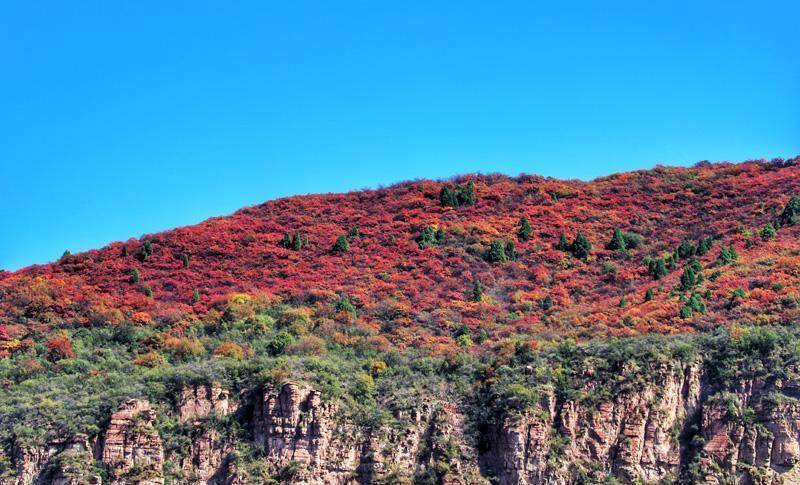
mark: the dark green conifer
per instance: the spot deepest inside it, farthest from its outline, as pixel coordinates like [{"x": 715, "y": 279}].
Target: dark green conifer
[
  {"x": 341, "y": 245},
  {"x": 525, "y": 230}
]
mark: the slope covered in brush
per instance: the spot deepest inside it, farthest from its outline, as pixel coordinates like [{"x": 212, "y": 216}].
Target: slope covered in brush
[{"x": 664, "y": 250}]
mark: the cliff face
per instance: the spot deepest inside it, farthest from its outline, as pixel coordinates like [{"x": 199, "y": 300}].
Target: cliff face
[{"x": 670, "y": 427}]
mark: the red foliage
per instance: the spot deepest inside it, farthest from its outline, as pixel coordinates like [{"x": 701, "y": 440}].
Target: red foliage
[{"x": 418, "y": 296}]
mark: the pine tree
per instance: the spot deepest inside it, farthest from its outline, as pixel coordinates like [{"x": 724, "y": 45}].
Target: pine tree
[
  {"x": 148, "y": 292},
  {"x": 497, "y": 252},
  {"x": 525, "y": 230},
  {"x": 341, "y": 245},
  {"x": 427, "y": 238},
  {"x": 465, "y": 194},
  {"x": 791, "y": 213},
  {"x": 686, "y": 250},
  {"x": 134, "y": 275},
  {"x": 286, "y": 242},
  {"x": 648, "y": 296},
  {"x": 727, "y": 255},
  {"x": 447, "y": 197},
  {"x": 511, "y": 252},
  {"x": 477, "y": 290},
  {"x": 581, "y": 246},
  {"x": 768, "y": 231},
  {"x": 185, "y": 258},
  {"x": 617, "y": 242},
  {"x": 563, "y": 244},
  {"x": 195, "y": 296},
  {"x": 546, "y": 303},
  {"x": 704, "y": 245},
  {"x": 124, "y": 251},
  {"x": 657, "y": 268},
  {"x": 297, "y": 241},
  {"x": 439, "y": 235}
]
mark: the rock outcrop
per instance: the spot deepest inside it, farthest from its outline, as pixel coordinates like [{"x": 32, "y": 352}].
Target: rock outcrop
[
  {"x": 131, "y": 446},
  {"x": 656, "y": 431},
  {"x": 200, "y": 401}
]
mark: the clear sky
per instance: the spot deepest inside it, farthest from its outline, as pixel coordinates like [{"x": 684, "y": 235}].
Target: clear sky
[{"x": 128, "y": 117}]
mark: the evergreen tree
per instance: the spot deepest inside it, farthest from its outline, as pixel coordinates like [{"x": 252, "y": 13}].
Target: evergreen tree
[
  {"x": 497, "y": 252},
  {"x": 286, "y": 242},
  {"x": 546, "y": 303},
  {"x": 148, "y": 292},
  {"x": 657, "y": 268},
  {"x": 447, "y": 197},
  {"x": 439, "y": 235},
  {"x": 353, "y": 233},
  {"x": 427, "y": 238},
  {"x": 768, "y": 231},
  {"x": 185, "y": 259},
  {"x": 648, "y": 296},
  {"x": 791, "y": 213},
  {"x": 134, "y": 275},
  {"x": 124, "y": 251},
  {"x": 477, "y": 290},
  {"x": 727, "y": 255},
  {"x": 341, "y": 245},
  {"x": 563, "y": 244},
  {"x": 196, "y": 296},
  {"x": 511, "y": 252},
  {"x": 704, "y": 245},
  {"x": 465, "y": 194},
  {"x": 297, "y": 241},
  {"x": 581, "y": 246},
  {"x": 525, "y": 230},
  {"x": 686, "y": 250},
  {"x": 617, "y": 242}
]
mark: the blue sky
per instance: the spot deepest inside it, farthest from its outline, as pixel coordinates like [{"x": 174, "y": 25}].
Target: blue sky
[{"x": 125, "y": 118}]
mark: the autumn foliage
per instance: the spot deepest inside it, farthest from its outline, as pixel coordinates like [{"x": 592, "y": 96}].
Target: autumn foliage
[{"x": 407, "y": 259}]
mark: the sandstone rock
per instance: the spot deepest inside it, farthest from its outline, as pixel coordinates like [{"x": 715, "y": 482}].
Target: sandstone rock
[
  {"x": 199, "y": 401},
  {"x": 131, "y": 446}
]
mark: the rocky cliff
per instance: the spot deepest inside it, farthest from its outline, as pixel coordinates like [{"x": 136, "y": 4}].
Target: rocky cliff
[{"x": 673, "y": 428}]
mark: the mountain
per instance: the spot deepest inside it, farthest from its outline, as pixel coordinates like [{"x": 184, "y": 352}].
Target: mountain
[{"x": 637, "y": 327}]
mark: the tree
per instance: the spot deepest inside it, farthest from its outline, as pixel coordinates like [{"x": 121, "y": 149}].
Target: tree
[
  {"x": 477, "y": 290},
  {"x": 427, "y": 238},
  {"x": 439, "y": 235},
  {"x": 791, "y": 213},
  {"x": 525, "y": 230},
  {"x": 768, "y": 231},
  {"x": 65, "y": 254},
  {"x": 648, "y": 296},
  {"x": 466, "y": 194},
  {"x": 497, "y": 252},
  {"x": 134, "y": 273},
  {"x": 546, "y": 303},
  {"x": 581, "y": 246},
  {"x": 297, "y": 241},
  {"x": 563, "y": 244},
  {"x": 185, "y": 259},
  {"x": 196, "y": 296},
  {"x": 704, "y": 245},
  {"x": 657, "y": 268},
  {"x": 727, "y": 255},
  {"x": 148, "y": 291},
  {"x": 686, "y": 249},
  {"x": 124, "y": 251},
  {"x": 146, "y": 251},
  {"x": 447, "y": 197},
  {"x": 617, "y": 242},
  {"x": 341, "y": 245},
  {"x": 511, "y": 252},
  {"x": 286, "y": 242}
]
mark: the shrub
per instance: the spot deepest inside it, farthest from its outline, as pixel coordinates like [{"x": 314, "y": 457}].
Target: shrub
[
  {"x": 230, "y": 350},
  {"x": 294, "y": 320},
  {"x": 341, "y": 245},
  {"x": 59, "y": 347},
  {"x": 364, "y": 388},
  {"x": 184, "y": 348},
  {"x": 791, "y": 213},
  {"x": 768, "y": 231}
]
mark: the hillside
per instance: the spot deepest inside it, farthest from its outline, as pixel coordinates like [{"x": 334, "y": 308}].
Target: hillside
[
  {"x": 637, "y": 328},
  {"x": 418, "y": 295}
]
